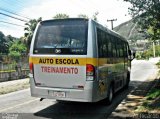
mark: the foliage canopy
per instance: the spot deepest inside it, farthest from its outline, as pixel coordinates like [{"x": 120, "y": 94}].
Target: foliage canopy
[{"x": 147, "y": 14}]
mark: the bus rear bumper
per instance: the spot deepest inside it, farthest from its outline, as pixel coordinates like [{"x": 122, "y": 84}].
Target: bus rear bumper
[{"x": 78, "y": 95}]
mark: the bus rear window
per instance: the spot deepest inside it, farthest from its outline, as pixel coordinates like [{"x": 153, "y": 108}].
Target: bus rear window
[{"x": 61, "y": 37}]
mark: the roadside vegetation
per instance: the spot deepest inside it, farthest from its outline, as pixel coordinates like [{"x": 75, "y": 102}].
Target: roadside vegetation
[
  {"x": 148, "y": 53},
  {"x": 146, "y": 15},
  {"x": 14, "y": 87},
  {"x": 151, "y": 102}
]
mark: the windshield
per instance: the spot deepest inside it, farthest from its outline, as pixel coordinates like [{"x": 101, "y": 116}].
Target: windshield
[{"x": 66, "y": 36}]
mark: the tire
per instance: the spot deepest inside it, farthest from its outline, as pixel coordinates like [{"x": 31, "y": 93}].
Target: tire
[
  {"x": 110, "y": 95},
  {"x": 109, "y": 99}
]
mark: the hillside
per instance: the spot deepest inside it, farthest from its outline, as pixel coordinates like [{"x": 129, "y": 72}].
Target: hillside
[{"x": 129, "y": 30}]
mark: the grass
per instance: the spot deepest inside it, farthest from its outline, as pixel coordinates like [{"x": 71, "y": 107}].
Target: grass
[
  {"x": 154, "y": 93},
  {"x": 151, "y": 102},
  {"x": 158, "y": 63},
  {"x": 14, "y": 87}
]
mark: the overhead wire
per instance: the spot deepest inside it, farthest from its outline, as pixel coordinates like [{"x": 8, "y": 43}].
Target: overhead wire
[
  {"x": 11, "y": 8},
  {"x": 12, "y": 23},
  {"x": 13, "y": 17},
  {"x": 14, "y": 13}
]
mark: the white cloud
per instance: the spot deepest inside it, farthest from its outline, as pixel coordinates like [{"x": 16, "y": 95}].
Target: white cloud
[
  {"x": 108, "y": 9},
  {"x": 11, "y": 27}
]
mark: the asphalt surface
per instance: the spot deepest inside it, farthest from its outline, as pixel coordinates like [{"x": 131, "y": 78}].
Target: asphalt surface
[{"x": 21, "y": 105}]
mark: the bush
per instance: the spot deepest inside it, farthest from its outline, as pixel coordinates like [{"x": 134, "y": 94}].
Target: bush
[
  {"x": 16, "y": 50},
  {"x": 148, "y": 53},
  {"x": 154, "y": 93}
]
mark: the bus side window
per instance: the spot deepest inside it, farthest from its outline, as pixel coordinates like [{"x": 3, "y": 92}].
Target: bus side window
[
  {"x": 99, "y": 40},
  {"x": 114, "y": 47},
  {"x": 117, "y": 47},
  {"x": 125, "y": 50},
  {"x": 109, "y": 48},
  {"x": 104, "y": 44},
  {"x": 122, "y": 49}
]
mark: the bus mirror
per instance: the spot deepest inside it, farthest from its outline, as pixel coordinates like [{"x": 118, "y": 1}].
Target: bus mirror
[
  {"x": 129, "y": 52},
  {"x": 134, "y": 54},
  {"x": 131, "y": 55}
]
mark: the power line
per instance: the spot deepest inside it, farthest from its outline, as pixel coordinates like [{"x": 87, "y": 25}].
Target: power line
[
  {"x": 11, "y": 7},
  {"x": 12, "y": 23},
  {"x": 14, "y": 13},
  {"x": 13, "y": 17}
]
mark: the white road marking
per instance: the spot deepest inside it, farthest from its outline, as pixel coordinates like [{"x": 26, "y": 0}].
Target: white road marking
[{"x": 2, "y": 110}]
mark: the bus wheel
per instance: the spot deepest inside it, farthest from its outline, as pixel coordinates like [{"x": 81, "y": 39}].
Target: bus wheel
[{"x": 110, "y": 95}]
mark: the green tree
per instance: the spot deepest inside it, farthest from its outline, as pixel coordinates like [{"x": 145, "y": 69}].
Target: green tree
[
  {"x": 16, "y": 50},
  {"x": 3, "y": 43},
  {"x": 82, "y": 16},
  {"x": 61, "y": 16},
  {"x": 29, "y": 30},
  {"x": 147, "y": 14},
  {"x": 9, "y": 40}
]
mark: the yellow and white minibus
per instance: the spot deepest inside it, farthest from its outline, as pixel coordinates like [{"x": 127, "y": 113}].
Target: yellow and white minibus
[{"x": 78, "y": 59}]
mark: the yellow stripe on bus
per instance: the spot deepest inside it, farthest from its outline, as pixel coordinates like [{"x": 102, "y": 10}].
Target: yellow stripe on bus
[{"x": 63, "y": 61}]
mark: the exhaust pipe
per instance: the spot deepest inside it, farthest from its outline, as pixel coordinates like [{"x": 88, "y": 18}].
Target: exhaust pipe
[{"x": 41, "y": 99}]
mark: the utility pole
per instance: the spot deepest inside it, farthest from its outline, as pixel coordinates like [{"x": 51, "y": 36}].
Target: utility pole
[
  {"x": 112, "y": 20},
  {"x": 154, "y": 51}
]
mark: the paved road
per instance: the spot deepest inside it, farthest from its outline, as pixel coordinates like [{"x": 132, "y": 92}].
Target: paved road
[
  {"x": 30, "y": 107},
  {"x": 141, "y": 70}
]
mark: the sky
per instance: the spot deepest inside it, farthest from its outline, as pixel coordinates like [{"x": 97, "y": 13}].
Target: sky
[{"x": 47, "y": 9}]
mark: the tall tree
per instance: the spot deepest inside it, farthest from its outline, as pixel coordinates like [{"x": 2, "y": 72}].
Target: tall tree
[
  {"x": 29, "y": 30},
  {"x": 3, "y": 43},
  {"x": 147, "y": 14},
  {"x": 61, "y": 16}
]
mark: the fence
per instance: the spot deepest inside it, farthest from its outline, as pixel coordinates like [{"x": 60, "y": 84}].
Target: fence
[
  {"x": 11, "y": 70},
  {"x": 13, "y": 75}
]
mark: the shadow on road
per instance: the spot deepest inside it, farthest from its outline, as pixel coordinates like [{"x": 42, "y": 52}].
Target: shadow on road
[
  {"x": 127, "y": 108},
  {"x": 77, "y": 110}
]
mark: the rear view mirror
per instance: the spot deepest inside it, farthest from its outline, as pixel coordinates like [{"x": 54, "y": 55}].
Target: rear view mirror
[
  {"x": 134, "y": 54},
  {"x": 131, "y": 55},
  {"x": 129, "y": 52}
]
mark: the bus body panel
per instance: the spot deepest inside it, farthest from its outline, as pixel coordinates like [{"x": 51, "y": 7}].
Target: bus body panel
[{"x": 60, "y": 75}]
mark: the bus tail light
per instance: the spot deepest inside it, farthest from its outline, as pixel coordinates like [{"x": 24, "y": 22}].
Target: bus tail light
[
  {"x": 31, "y": 67},
  {"x": 90, "y": 72}
]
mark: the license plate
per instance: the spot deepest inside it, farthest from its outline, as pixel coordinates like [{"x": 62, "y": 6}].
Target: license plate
[{"x": 59, "y": 94}]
